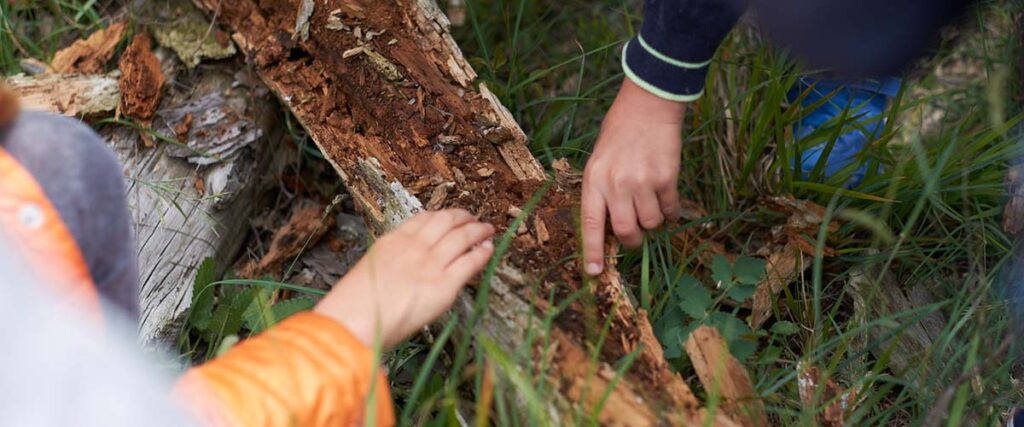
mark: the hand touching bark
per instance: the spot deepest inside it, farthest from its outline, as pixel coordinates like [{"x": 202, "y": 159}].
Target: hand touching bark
[
  {"x": 410, "y": 276},
  {"x": 631, "y": 178}
]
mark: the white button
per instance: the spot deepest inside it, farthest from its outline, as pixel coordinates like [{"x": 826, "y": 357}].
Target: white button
[{"x": 31, "y": 216}]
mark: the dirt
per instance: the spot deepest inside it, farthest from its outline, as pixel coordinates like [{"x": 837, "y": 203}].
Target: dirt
[
  {"x": 141, "y": 82},
  {"x": 400, "y": 106}
]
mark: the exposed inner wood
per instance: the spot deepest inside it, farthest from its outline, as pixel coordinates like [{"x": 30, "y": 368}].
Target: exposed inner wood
[
  {"x": 725, "y": 376},
  {"x": 388, "y": 97}
]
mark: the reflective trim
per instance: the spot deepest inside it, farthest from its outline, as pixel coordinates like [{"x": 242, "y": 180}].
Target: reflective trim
[
  {"x": 661, "y": 93},
  {"x": 667, "y": 59}
]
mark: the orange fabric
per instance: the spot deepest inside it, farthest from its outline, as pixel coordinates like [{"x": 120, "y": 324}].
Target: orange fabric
[
  {"x": 308, "y": 371},
  {"x": 35, "y": 228}
]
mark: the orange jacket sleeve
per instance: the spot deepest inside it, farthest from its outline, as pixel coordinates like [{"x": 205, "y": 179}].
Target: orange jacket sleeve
[{"x": 307, "y": 371}]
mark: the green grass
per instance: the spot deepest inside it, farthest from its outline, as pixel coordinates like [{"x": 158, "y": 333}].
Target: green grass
[
  {"x": 929, "y": 217},
  {"x": 38, "y": 28}
]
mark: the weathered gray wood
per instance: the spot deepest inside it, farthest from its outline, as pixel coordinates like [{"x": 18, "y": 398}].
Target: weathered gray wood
[{"x": 184, "y": 213}]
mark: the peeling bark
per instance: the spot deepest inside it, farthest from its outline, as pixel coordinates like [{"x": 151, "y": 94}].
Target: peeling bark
[
  {"x": 386, "y": 94},
  {"x": 76, "y": 95}
]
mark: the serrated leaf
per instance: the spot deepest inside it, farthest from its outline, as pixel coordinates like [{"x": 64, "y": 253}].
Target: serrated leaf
[
  {"x": 749, "y": 271},
  {"x": 741, "y": 292},
  {"x": 721, "y": 271},
  {"x": 227, "y": 318},
  {"x": 694, "y": 298},
  {"x": 671, "y": 341},
  {"x": 202, "y": 295},
  {"x": 256, "y": 316},
  {"x": 284, "y": 309},
  {"x": 785, "y": 328},
  {"x": 736, "y": 333}
]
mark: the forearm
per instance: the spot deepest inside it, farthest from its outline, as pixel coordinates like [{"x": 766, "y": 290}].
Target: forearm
[{"x": 307, "y": 371}]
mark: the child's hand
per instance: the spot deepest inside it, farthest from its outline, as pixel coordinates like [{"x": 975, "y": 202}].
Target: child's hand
[
  {"x": 633, "y": 171},
  {"x": 410, "y": 276}
]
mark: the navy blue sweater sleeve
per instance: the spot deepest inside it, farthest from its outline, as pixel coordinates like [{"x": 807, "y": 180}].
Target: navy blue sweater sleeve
[{"x": 670, "y": 56}]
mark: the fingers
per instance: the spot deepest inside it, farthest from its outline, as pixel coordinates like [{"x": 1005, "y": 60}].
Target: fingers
[
  {"x": 624, "y": 223},
  {"x": 440, "y": 223},
  {"x": 469, "y": 263},
  {"x": 593, "y": 216},
  {"x": 648, "y": 210},
  {"x": 668, "y": 198},
  {"x": 460, "y": 240}
]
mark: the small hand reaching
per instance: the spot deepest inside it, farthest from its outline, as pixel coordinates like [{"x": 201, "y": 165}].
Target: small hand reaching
[
  {"x": 632, "y": 174},
  {"x": 410, "y": 276}
]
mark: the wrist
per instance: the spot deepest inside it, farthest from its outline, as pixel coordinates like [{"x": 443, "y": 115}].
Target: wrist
[
  {"x": 356, "y": 320},
  {"x": 639, "y": 104}
]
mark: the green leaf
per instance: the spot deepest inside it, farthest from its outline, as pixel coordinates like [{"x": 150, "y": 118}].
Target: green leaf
[
  {"x": 741, "y": 292},
  {"x": 721, "y": 271},
  {"x": 750, "y": 271},
  {"x": 257, "y": 315},
  {"x": 203, "y": 295},
  {"x": 739, "y": 336},
  {"x": 785, "y": 328},
  {"x": 284, "y": 309},
  {"x": 694, "y": 298},
  {"x": 227, "y": 318},
  {"x": 671, "y": 340}
]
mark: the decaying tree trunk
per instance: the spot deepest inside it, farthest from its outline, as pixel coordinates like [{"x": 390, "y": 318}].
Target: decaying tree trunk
[
  {"x": 185, "y": 196},
  {"x": 388, "y": 97},
  {"x": 186, "y": 201}
]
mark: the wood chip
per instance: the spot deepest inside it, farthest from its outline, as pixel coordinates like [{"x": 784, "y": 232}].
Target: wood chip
[
  {"x": 181, "y": 129},
  {"x": 541, "y": 229},
  {"x": 460, "y": 177},
  {"x": 720, "y": 372},
  {"x": 352, "y": 52},
  {"x": 302, "y": 20},
  {"x": 142, "y": 80},
  {"x": 838, "y": 401},
  {"x": 89, "y": 56},
  {"x": 783, "y": 267},
  {"x": 485, "y": 172},
  {"x": 439, "y": 195},
  {"x": 305, "y": 227}
]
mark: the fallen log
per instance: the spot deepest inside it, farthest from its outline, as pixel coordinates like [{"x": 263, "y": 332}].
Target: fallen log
[
  {"x": 185, "y": 210},
  {"x": 387, "y": 96}
]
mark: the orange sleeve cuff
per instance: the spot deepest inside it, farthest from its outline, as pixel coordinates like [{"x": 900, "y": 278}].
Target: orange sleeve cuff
[{"x": 308, "y": 371}]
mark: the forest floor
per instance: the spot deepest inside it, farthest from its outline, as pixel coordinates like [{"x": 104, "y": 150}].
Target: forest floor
[{"x": 895, "y": 292}]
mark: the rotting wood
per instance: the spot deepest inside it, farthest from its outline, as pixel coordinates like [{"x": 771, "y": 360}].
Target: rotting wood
[
  {"x": 142, "y": 81},
  {"x": 837, "y": 402},
  {"x": 90, "y": 55},
  {"x": 721, "y": 373},
  {"x": 305, "y": 227},
  {"x": 379, "y": 120},
  {"x": 76, "y": 95},
  {"x": 177, "y": 225}
]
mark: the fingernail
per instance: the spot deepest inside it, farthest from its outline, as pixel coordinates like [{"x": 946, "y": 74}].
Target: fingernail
[
  {"x": 487, "y": 244},
  {"x": 593, "y": 269}
]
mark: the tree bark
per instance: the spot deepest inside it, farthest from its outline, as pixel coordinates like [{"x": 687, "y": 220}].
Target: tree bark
[{"x": 387, "y": 96}]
